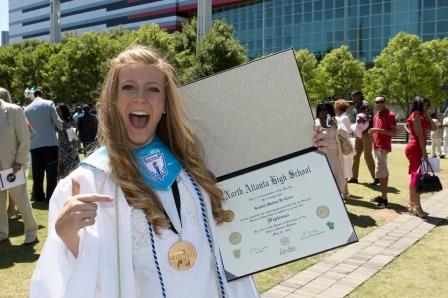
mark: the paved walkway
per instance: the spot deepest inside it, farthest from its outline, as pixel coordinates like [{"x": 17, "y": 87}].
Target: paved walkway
[{"x": 342, "y": 272}]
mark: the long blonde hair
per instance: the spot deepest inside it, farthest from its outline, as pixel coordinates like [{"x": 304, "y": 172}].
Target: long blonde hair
[{"x": 173, "y": 129}]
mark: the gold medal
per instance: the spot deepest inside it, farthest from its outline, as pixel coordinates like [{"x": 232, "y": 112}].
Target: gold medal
[{"x": 182, "y": 255}]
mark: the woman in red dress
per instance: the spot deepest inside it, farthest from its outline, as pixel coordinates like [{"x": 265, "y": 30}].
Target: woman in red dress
[{"x": 417, "y": 125}]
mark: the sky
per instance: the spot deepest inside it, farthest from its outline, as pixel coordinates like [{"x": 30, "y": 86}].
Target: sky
[{"x": 4, "y": 16}]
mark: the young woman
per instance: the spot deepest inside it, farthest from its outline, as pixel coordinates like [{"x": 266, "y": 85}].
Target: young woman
[
  {"x": 137, "y": 218},
  {"x": 417, "y": 125},
  {"x": 340, "y": 108},
  {"x": 68, "y": 152}
]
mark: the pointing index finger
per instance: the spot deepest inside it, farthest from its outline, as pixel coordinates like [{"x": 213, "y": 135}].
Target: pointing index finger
[{"x": 93, "y": 198}]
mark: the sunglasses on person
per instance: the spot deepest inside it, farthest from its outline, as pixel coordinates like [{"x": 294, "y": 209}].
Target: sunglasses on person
[{"x": 379, "y": 102}]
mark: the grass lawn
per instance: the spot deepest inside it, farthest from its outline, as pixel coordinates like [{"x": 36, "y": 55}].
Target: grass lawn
[
  {"x": 421, "y": 271},
  {"x": 17, "y": 261}
]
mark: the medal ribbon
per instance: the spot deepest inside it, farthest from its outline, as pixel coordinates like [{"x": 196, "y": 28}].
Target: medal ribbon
[
  {"x": 175, "y": 191},
  {"x": 205, "y": 222}
]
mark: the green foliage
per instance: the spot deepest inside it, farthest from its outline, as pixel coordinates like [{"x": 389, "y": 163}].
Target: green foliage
[
  {"x": 315, "y": 86},
  {"x": 7, "y": 63},
  {"x": 402, "y": 71},
  {"x": 341, "y": 72},
  {"x": 75, "y": 69},
  {"x": 76, "y": 72},
  {"x": 218, "y": 51},
  {"x": 437, "y": 52},
  {"x": 156, "y": 37},
  {"x": 184, "y": 45}
]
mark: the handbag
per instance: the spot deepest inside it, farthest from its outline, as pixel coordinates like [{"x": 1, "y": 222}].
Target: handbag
[
  {"x": 344, "y": 140},
  {"x": 427, "y": 181}
]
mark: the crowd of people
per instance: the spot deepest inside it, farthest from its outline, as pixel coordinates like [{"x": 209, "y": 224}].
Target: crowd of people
[
  {"x": 373, "y": 134},
  {"x": 46, "y": 135}
]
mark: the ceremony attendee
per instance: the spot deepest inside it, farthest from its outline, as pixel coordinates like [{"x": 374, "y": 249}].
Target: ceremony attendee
[
  {"x": 436, "y": 137},
  {"x": 445, "y": 136},
  {"x": 87, "y": 129},
  {"x": 325, "y": 119},
  {"x": 14, "y": 154},
  {"x": 78, "y": 113},
  {"x": 68, "y": 152},
  {"x": 41, "y": 114},
  {"x": 418, "y": 123},
  {"x": 384, "y": 128},
  {"x": 363, "y": 144},
  {"x": 138, "y": 217},
  {"x": 340, "y": 108}
]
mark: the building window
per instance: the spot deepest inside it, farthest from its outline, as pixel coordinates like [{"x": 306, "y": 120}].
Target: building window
[
  {"x": 442, "y": 26},
  {"x": 339, "y": 13},
  {"x": 429, "y": 28},
  {"x": 429, "y": 4}
]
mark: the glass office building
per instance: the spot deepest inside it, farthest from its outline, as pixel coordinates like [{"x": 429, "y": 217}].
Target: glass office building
[{"x": 321, "y": 25}]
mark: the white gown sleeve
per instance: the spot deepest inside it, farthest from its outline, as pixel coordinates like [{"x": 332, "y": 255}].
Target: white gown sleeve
[
  {"x": 347, "y": 124},
  {"x": 58, "y": 273}
]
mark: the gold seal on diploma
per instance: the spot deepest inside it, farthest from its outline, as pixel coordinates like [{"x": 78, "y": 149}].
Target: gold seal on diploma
[
  {"x": 285, "y": 241},
  {"x": 323, "y": 211},
  {"x": 182, "y": 255},
  {"x": 231, "y": 215},
  {"x": 235, "y": 238}
]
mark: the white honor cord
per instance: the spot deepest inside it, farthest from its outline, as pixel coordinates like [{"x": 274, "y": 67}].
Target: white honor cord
[{"x": 205, "y": 221}]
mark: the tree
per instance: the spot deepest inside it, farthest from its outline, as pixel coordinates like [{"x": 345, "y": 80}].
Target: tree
[
  {"x": 219, "y": 50},
  {"x": 7, "y": 63},
  {"x": 184, "y": 46},
  {"x": 316, "y": 88},
  {"x": 77, "y": 71},
  {"x": 74, "y": 69},
  {"x": 402, "y": 71},
  {"x": 30, "y": 62},
  {"x": 437, "y": 52},
  {"x": 342, "y": 72},
  {"x": 155, "y": 36}
]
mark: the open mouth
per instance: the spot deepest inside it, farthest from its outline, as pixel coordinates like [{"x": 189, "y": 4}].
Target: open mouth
[{"x": 139, "y": 119}]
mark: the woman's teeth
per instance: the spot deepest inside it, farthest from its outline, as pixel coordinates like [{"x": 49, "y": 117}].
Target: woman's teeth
[{"x": 139, "y": 119}]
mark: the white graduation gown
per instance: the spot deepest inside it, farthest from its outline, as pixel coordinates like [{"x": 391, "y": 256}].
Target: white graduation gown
[{"x": 95, "y": 272}]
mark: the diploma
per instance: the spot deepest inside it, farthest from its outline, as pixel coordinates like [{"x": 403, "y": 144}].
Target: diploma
[
  {"x": 256, "y": 126},
  {"x": 284, "y": 210}
]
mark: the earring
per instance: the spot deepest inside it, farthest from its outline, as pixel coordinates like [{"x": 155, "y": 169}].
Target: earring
[{"x": 164, "y": 112}]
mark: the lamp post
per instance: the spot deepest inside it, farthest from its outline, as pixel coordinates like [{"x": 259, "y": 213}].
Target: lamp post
[
  {"x": 204, "y": 18},
  {"x": 55, "y": 21}
]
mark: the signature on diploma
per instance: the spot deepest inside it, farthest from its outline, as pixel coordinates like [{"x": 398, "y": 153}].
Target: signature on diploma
[
  {"x": 257, "y": 250},
  {"x": 311, "y": 233}
]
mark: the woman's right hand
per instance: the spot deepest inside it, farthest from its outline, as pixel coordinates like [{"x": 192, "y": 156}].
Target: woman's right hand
[
  {"x": 319, "y": 138},
  {"x": 79, "y": 211}
]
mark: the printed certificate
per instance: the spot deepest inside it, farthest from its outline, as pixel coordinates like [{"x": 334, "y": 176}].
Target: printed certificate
[{"x": 284, "y": 210}]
